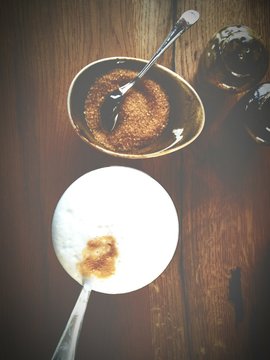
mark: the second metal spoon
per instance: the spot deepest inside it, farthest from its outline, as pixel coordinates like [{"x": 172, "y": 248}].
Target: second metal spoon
[{"x": 110, "y": 108}]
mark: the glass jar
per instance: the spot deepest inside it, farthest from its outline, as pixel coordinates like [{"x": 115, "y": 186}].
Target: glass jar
[
  {"x": 235, "y": 59},
  {"x": 254, "y": 112}
]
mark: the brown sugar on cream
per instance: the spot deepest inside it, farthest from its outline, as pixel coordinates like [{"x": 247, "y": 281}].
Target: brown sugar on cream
[
  {"x": 99, "y": 257},
  {"x": 143, "y": 114}
]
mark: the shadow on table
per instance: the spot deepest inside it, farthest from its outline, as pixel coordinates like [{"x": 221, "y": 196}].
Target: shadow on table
[
  {"x": 260, "y": 316},
  {"x": 224, "y": 147}
]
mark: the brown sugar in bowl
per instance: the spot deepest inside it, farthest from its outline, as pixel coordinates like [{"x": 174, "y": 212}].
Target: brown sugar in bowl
[{"x": 170, "y": 113}]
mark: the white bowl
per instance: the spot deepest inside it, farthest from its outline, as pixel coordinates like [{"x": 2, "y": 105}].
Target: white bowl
[{"x": 127, "y": 204}]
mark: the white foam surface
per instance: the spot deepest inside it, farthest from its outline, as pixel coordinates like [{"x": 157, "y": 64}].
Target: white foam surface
[{"x": 125, "y": 203}]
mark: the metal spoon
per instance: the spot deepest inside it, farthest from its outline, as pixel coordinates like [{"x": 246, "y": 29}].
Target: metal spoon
[
  {"x": 66, "y": 347},
  {"x": 110, "y": 108}
]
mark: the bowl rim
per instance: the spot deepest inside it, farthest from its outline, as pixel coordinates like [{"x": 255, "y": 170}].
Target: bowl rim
[{"x": 130, "y": 155}]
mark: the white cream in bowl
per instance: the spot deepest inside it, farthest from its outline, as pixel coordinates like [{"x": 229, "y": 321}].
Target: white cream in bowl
[{"x": 127, "y": 204}]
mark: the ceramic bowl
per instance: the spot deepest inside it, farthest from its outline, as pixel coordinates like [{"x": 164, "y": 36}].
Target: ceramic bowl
[{"x": 186, "y": 118}]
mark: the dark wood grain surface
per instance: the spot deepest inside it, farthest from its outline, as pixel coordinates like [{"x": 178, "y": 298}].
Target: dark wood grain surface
[{"x": 212, "y": 302}]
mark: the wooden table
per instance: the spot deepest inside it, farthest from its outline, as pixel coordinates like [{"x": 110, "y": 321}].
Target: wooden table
[{"x": 212, "y": 302}]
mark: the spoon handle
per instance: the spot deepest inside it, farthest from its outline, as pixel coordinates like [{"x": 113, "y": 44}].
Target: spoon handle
[
  {"x": 187, "y": 19},
  {"x": 66, "y": 347}
]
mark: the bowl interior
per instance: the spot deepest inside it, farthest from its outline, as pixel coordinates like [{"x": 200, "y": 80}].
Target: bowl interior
[{"x": 186, "y": 118}]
